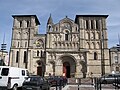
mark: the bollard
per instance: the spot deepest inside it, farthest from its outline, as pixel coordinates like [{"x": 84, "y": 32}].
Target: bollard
[
  {"x": 78, "y": 83},
  {"x": 56, "y": 84},
  {"x": 95, "y": 83},
  {"x": 60, "y": 85},
  {"x": 100, "y": 85}
]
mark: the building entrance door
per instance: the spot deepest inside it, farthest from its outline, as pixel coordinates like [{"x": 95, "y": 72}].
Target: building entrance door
[
  {"x": 39, "y": 70},
  {"x": 66, "y": 69}
]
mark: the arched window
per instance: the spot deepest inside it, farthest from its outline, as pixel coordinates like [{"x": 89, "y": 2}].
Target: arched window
[
  {"x": 95, "y": 56},
  {"x": 66, "y": 36},
  {"x": 49, "y": 27}
]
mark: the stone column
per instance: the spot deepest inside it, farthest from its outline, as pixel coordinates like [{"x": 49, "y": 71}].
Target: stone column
[{"x": 58, "y": 68}]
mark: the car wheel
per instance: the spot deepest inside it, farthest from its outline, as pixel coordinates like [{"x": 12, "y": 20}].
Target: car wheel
[{"x": 14, "y": 87}]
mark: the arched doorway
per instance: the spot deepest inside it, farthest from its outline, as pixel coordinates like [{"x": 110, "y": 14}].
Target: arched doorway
[
  {"x": 69, "y": 66},
  {"x": 66, "y": 69},
  {"x": 40, "y": 68}
]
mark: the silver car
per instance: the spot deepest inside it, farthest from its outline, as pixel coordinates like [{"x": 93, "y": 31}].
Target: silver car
[{"x": 110, "y": 79}]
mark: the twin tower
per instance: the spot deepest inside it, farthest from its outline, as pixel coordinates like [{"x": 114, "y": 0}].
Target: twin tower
[{"x": 74, "y": 48}]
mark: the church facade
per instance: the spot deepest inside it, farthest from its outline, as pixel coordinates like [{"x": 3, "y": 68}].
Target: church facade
[{"x": 74, "y": 48}]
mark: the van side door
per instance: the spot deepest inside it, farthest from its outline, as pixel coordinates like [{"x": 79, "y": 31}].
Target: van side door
[{"x": 4, "y": 76}]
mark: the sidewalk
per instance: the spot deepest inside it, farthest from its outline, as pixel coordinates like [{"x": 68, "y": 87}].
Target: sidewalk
[
  {"x": 84, "y": 87},
  {"x": 80, "y": 87}
]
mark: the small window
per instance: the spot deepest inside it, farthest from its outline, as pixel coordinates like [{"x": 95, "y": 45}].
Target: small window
[
  {"x": 5, "y": 72},
  {"x": 20, "y": 23},
  {"x": 25, "y": 56},
  {"x": 92, "y": 24},
  {"x": 28, "y": 24},
  {"x": 97, "y": 22},
  {"x": 17, "y": 56},
  {"x": 56, "y": 28},
  {"x": 66, "y": 37},
  {"x": 87, "y": 24},
  {"x": 41, "y": 53},
  {"x": 95, "y": 56},
  {"x": 23, "y": 72},
  {"x": 76, "y": 28},
  {"x": 37, "y": 53}
]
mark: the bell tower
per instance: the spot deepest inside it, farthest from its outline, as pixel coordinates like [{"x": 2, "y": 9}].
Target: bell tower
[{"x": 23, "y": 31}]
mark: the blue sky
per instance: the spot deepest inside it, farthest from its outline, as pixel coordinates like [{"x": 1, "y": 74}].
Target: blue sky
[{"x": 59, "y": 9}]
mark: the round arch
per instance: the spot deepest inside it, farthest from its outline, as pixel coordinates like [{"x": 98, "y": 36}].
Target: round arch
[{"x": 69, "y": 65}]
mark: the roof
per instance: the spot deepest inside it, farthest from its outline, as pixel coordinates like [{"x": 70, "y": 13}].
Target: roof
[
  {"x": 37, "y": 21},
  {"x": 115, "y": 48},
  {"x": 77, "y": 16}
]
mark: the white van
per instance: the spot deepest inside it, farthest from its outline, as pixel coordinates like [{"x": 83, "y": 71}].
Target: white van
[{"x": 12, "y": 77}]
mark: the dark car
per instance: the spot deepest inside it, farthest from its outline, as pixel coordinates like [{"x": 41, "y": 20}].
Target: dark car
[
  {"x": 57, "y": 80},
  {"x": 36, "y": 83},
  {"x": 110, "y": 79}
]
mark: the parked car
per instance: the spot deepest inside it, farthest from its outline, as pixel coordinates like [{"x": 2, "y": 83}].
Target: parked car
[
  {"x": 36, "y": 83},
  {"x": 12, "y": 77},
  {"x": 110, "y": 79},
  {"x": 57, "y": 80}
]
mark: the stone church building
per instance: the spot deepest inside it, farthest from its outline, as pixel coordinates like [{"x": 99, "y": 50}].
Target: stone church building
[{"x": 74, "y": 48}]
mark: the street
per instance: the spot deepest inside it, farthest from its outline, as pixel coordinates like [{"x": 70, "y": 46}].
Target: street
[{"x": 85, "y": 87}]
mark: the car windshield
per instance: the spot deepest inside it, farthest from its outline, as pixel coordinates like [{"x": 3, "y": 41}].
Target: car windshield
[
  {"x": 34, "y": 79},
  {"x": 111, "y": 75}
]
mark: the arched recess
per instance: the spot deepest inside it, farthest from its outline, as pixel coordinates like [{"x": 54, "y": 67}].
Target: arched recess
[
  {"x": 40, "y": 68},
  {"x": 69, "y": 65},
  {"x": 87, "y": 45},
  {"x": 87, "y": 35}
]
